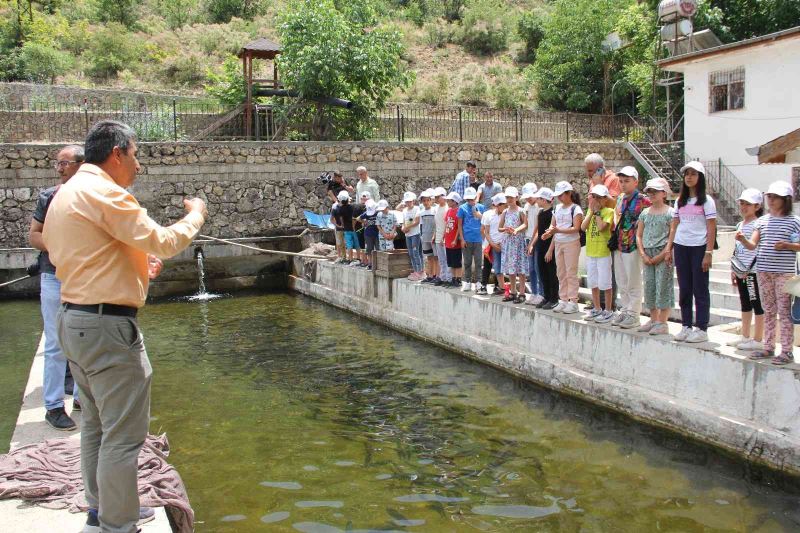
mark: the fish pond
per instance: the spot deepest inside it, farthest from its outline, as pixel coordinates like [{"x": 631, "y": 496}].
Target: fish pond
[{"x": 285, "y": 414}]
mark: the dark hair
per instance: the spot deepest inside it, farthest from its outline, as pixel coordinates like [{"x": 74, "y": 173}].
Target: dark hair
[
  {"x": 77, "y": 152},
  {"x": 576, "y": 197},
  {"x": 786, "y": 209},
  {"x": 472, "y": 164},
  {"x": 103, "y": 137},
  {"x": 700, "y": 189},
  {"x": 760, "y": 210}
]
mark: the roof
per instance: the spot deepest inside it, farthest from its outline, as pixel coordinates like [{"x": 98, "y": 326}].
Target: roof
[
  {"x": 730, "y": 47},
  {"x": 262, "y": 47},
  {"x": 775, "y": 150}
]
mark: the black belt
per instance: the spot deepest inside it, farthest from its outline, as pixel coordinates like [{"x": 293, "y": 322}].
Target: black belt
[{"x": 106, "y": 309}]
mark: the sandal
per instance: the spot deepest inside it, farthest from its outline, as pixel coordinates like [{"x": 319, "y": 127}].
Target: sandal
[
  {"x": 520, "y": 299},
  {"x": 510, "y": 298},
  {"x": 783, "y": 359},
  {"x": 761, "y": 354}
]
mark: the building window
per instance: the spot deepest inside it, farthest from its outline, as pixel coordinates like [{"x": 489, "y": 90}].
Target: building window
[{"x": 726, "y": 90}]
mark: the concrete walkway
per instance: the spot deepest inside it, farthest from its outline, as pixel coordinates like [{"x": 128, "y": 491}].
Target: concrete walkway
[{"x": 19, "y": 516}]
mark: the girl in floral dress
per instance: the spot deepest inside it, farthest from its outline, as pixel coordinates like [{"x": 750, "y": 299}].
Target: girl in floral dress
[{"x": 515, "y": 264}]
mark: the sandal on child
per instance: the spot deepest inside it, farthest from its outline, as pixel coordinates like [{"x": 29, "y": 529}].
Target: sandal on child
[
  {"x": 783, "y": 359},
  {"x": 761, "y": 354},
  {"x": 510, "y": 298},
  {"x": 520, "y": 299}
]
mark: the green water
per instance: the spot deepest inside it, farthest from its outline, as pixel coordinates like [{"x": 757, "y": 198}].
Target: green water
[{"x": 287, "y": 415}]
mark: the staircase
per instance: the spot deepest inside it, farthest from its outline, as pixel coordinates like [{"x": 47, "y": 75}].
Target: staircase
[{"x": 655, "y": 162}]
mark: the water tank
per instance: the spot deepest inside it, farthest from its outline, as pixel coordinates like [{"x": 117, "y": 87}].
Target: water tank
[
  {"x": 677, "y": 8},
  {"x": 682, "y": 28}
]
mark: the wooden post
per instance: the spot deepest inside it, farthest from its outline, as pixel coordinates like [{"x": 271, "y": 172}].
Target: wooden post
[{"x": 249, "y": 101}]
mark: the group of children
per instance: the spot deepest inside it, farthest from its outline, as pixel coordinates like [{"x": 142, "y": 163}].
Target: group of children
[{"x": 537, "y": 236}]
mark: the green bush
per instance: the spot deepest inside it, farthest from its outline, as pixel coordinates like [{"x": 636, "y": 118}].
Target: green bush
[
  {"x": 111, "y": 50},
  {"x": 227, "y": 87},
  {"x": 435, "y": 92},
  {"x": 531, "y": 29},
  {"x": 42, "y": 64},
  {"x": 438, "y": 34},
  {"x": 485, "y": 27},
  {"x": 509, "y": 92},
  {"x": 11, "y": 65},
  {"x": 225, "y": 10},
  {"x": 473, "y": 90},
  {"x": 184, "y": 69}
]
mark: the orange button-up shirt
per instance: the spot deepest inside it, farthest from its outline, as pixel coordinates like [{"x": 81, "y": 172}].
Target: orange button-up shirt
[{"x": 98, "y": 237}]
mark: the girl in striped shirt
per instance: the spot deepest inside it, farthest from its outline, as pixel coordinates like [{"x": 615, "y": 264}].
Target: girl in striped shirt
[{"x": 777, "y": 238}]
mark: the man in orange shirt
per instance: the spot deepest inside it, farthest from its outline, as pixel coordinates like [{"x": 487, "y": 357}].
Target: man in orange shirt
[
  {"x": 105, "y": 249},
  {"x": 598, "y": 174}
]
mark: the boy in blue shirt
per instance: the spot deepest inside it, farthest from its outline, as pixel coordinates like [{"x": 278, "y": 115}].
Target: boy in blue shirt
[{"x": 469, "y": 230}]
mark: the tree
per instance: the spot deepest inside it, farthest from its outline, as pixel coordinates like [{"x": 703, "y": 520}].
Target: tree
[
  {"x": 111, "y": 50},
  {"x": 328, "y": 54},
  {"x": 41, "y": 63},
  {"x": 178, "y": 13},
  {"x": 225, "y": 10},
  {"x": 125, "y": 12},
  {"x": 568, "y": 72},
  {"x": 228, "y": 86},
  {"x": 485, "y": 27},
  {"x": 531, "y": 28}
]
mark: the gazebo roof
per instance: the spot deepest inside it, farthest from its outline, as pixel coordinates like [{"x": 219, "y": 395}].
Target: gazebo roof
[{"x": 261, "y": 48}]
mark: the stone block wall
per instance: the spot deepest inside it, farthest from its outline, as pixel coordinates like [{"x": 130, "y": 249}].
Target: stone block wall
[{"x": 257, "y": 189}]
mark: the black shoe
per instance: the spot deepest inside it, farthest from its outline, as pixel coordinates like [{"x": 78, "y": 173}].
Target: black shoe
[
  {"x": 58, "y": 419},
  {"x": 76, "y": 406},
  {"x": 429, "y": 279},
  {"x": 520, "y": 299},
  {"x": 482, "y": 291},
  {"x": 549, "y": 305},
  {"x": 92, "y": 522},
  {"x": 439, "y": 282},
  {"x": 541, "y": 304}
]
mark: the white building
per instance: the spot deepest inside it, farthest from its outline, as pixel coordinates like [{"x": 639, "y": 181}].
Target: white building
[{"x": 739, "y": 96}]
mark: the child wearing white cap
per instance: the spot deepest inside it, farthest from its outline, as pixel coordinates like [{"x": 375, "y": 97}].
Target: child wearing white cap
[
  {"x": 653, "y": 235},
  {"x": 627, "y": 262},
  {"x": 469, "y": 228},
  {"x": 777, "y": 238},
  {"x": 532, "y": 214},
  {"x": 695, "y": 221},
  {"x": 565, "y": 246},
  {"x": 369, "y": 222},
  {"x": 411, "y": 230},
  {"x": 453, "y": 240},
  {"x": 493, "y": 257},
  {"x": 539, "y": 247},
  {"x": 444, "y": 277},
  {"x": 387, "y": 226},
  {"x": 515, "y": 264},
  {"x": 743, "y": 273},
  {"x": 427, "y": 224},
  {"x": 597, "y": 226}
]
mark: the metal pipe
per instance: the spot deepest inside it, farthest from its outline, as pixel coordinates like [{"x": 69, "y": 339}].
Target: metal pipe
[
  {"x": 14, "y": 281},
  {"x": 277, "y": 252},
  {"x": 336, "y": 102}
]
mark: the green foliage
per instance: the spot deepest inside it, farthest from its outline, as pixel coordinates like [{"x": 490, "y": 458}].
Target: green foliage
[
  {"x": 327, "y": 54},
  {"x": 11, "y": 65},
  {"x": 453, "y": 9},
  {"x": 227, "y": 87},
  {"x": 509, "y": 91},
  {"x": 637, "y": 26},
  {"x": 436, "y": 92},
  {"x": 568, "y": 72},
  {"x": 112, "y": 49},
  {"x": 125, "y": 12},
  {"x": 225, "y": 10},
  {"x": 42, "y": 63},
  {"x": 531, "y": 29},
  {"x": 485, "y": 27},
  {"x": 438, "y": 34},
  {"x": 178, "y": 13},
  {"x": 473, "y": 90}
]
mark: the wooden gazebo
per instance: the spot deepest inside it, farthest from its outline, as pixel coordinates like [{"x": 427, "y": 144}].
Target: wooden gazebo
[{"x": 259, "y": 49}]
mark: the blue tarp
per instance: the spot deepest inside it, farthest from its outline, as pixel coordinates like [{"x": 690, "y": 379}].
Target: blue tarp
[{"x": 317, "y": 220}]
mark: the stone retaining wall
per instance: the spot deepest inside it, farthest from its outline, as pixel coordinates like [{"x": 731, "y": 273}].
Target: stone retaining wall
[{"x": 256, "y": 189}]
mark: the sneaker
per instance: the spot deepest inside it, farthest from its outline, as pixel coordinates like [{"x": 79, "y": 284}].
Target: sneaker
[
  {"x": 428, "y": 279},
  {"x": 647, "y": 326},
  {"x": 697, "y": 335},
  {"x": 58, "y": 419},
  {"x": 439, "y": 282},
  {"x": 538, "y": 299},
  {"x": 549, "y": 306},
  {"x": 659, "y": 328},
  {"x": 751, "y": 345},
  {"x": 594, "y": 313},
  {"x": 146, "y": 514},
  {"x": 683, "y": 334},
  {"x": 483, "y": 292},
  {"x": 92, "y": 524},
  {"x": 455, "y": 283},
  {"x": 542, "y": 304},
  {"x": 76, "y": 405},
  {"x": 465, "y": 287},
  {"x": 618, "y": 317},
  {"x": 629, "y": 322},
  {"x": 570, "y": 309},
  {"x": 355, "y": 263},
  {"x": 477, "y": 287},
  {"x": 559, "y": 308},
  {"x": 604, "y": 317},
  {"x": 590, "y": 306},
  {"x": 520, "y": 299},
  {"x": 533, "y": 300},
  {"x": 412, "y": 276},
  {"x": 737, "y": 341}
]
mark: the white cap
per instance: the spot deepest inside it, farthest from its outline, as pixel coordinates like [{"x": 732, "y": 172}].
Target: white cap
[
  {"x": 366, "y": 194},
  {"x": 631, "y": 172},
  {"x": 427, "y": 193},
  {"x": 409, "y": 196},
  {"x": 544, "y": 193},
  {"x": 697, "y": 165},
  {"x": 470, "y": 193},
  {"x": 383, "y": 204},
  {"x": 528, "y": 189},
  {"x": 562, "y": 187},
  {"x": 780, "y": 188},
  {"x": 657, "y": 184},
  {"x": 599, "y": 190},
  {"x": 512, "y": 192},
  {"x": 343, "y": 196},
  {"x": 371, "y": 207},
  {"x": 455, "y": 197},
  {"x": 498, "y": 199},
  {"x": 752, "y": 196},
  {"x": 440, "y": 191}
]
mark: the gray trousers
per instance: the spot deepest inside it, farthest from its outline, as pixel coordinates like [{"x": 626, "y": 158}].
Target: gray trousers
[
  {"x": 472, "y": 254},
  {"x": 111, "y": 368}
]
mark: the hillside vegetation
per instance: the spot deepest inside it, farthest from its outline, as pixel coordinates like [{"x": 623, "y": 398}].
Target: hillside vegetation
[{"x": 505, "y": 53}]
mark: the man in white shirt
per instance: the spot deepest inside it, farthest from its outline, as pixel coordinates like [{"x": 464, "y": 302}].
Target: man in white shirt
[{"x": 367, "y": 184}]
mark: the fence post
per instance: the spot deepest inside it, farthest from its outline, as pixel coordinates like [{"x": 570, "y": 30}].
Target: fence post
[
  {"x": 613, "y": 129},
  {"x": 460, "y": 126},
  {"x": 86, "y": 113},
  {"x": 402, "y": 128},
  {"x": 566, "y": 122},
  {"x": 399, "y": 127},
  {"x": 517, "y": 126},
  {"x": 627, "y": 130},
  {"x": 174, "y": 121}
]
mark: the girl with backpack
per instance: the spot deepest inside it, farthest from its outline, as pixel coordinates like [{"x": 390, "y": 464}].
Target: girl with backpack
[{"x": 565, "y": 246}]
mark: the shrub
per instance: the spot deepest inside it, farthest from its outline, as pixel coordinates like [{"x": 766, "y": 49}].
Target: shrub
[
  {"x": 531, "y": 29},
  {"x": 184, "y": 69},
  {"x": 438, "y": 34},
  {"x": 485, "y": 27},
  {"x": 41, "y": 63},
  {"x": 435, "y": 92},
  {"x": 111, "y": 50},
  {"x": 11, "y": 65},
  {"x": 509, "y": 92},
  {"x": 473, "y": 90},
  {"x": 227, "y": 87}
]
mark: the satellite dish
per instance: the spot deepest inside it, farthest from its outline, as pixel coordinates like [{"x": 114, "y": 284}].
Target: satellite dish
[{"x": 612, "y": 42}]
